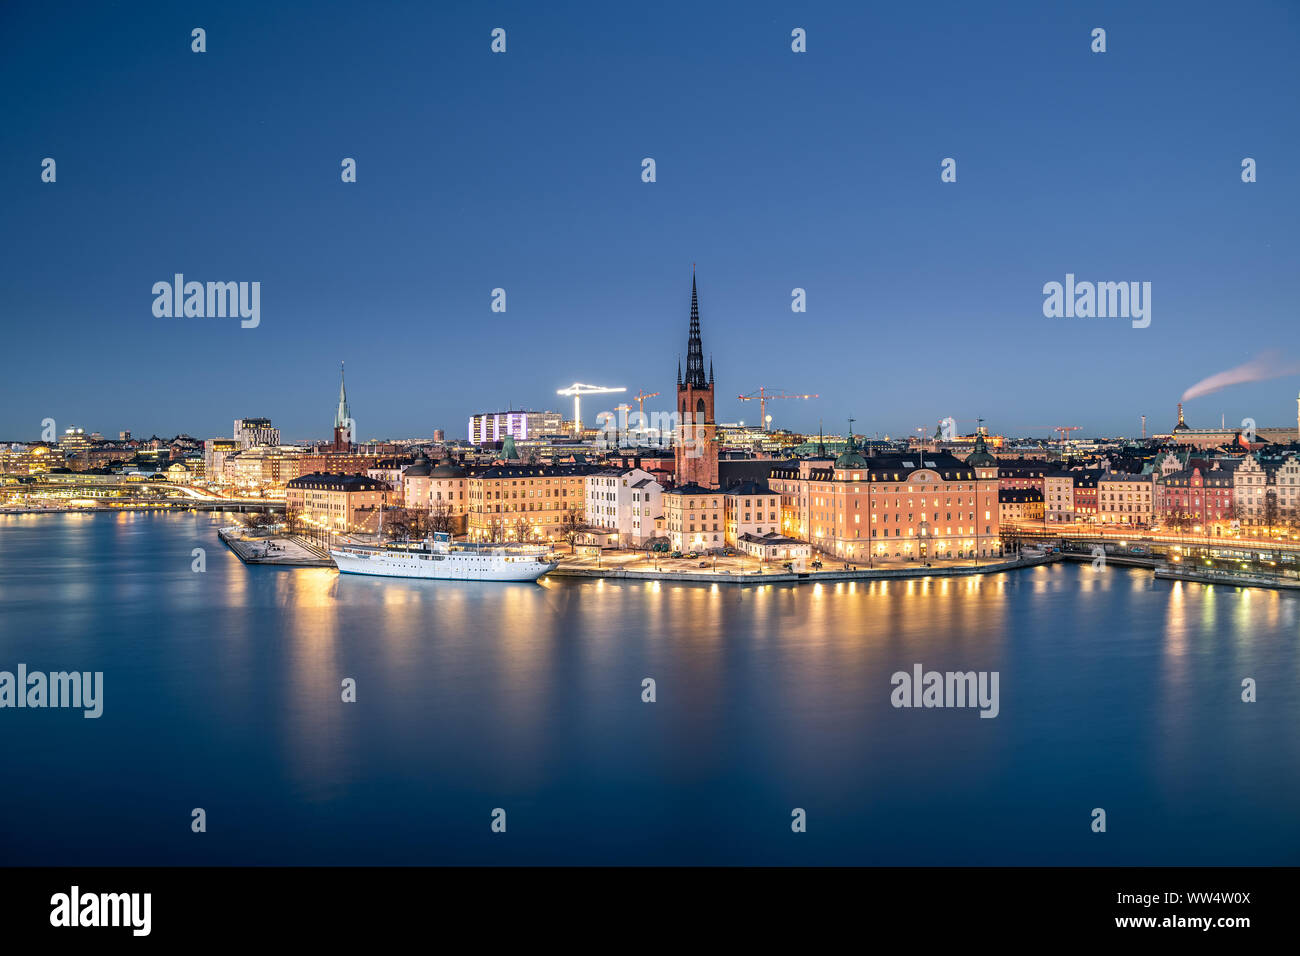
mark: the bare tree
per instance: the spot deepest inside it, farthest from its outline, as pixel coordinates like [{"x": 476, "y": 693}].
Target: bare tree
[
  {"x": 397, "y": 526},
  {"x": 440, "y": 517},
  {"x": 572, "y": 526},
  {"x": 523, "y": 530},
  {"x": 1270, "y": 508},
  {"x": 495, "y": 529},
  {"x": 260, "y": 520}
]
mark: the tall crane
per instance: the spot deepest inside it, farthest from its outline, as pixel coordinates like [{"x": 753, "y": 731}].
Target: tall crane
[
  {"x": 640, "y": 398},
  {"x": 763, "y": 396},
  {"x": 577, "y": 390},
  {"x": 1064, "y": 431}
]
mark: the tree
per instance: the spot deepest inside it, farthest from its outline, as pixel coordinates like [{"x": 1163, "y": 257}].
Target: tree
[
  {"x": 523, "y": 530},
  {"x": 495, "y": 529},
  {"x": 397, "y": 526},
  {"x": 572, "y": 526},
  {"x": 440, "y": 517},
  {"x": 1270, "y": 508},
  {"x": 259, "y": 521}
]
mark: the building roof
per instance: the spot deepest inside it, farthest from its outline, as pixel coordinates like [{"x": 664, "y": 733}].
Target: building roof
[
  {"x": 981, "y": 457},
  {"x": 420, "y": 469},
  {"x": 326, "y": 481},
  {"x": 1210, "y": 479},
  {"x": 1022, "y": 496},
  {"x": 748, "y": 488},
  {"x": 691, "y": 488},
  {"x": 850, "y": 457},
  {"x": 538, "y": 471},
  {"x": 885, "y": 467},
  {"x": 772, "y": 537}
]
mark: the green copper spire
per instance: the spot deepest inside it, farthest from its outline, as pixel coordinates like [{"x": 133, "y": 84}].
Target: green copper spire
[
  {"x": 343, "y": 415},
  {"x": 851, "y": 458}
]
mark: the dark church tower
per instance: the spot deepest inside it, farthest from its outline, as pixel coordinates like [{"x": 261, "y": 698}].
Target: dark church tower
[{"x": 696, "y": 449}]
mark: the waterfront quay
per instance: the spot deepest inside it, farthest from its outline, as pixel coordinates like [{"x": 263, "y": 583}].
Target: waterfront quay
[
  {"x": 719, "y": 573},
  {"x": 285, "y": 550}
]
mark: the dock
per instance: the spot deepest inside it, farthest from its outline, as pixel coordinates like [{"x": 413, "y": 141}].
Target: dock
[
  {"x": 750, "y": 578},
  {"x": 1229, "y": 578},
  {"x": 286, "y": 551}
]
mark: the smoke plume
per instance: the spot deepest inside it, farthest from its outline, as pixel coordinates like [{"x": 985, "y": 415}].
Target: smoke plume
[{"x": 1264, "y": 366}]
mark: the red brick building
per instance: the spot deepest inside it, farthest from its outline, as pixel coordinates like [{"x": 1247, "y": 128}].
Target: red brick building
[
  {"x": 1191, "y": 496},
  {"x": 696, "y": 448}
]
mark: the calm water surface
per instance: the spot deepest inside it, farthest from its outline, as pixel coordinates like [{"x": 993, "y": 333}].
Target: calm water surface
[{"x": 222, "y": 691}]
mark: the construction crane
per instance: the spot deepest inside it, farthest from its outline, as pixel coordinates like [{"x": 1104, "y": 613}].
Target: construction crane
[
  {"x": 1064, "y": 431},
  {"x": 621, "y": 419},
  {"x": 577, "y": 390},
  {"x": 640, "y": 400},
  {"x": 763, "y": 396}
]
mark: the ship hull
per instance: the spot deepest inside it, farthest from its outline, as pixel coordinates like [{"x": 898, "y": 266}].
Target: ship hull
[{"x": 454, "y": 566}]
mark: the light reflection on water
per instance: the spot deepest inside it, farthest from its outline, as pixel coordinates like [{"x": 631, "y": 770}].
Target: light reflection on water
[{"x": 223, "y": 689}]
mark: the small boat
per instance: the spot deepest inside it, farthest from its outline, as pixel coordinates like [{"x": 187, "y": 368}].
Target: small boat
[{"x": 438, "y": 559}]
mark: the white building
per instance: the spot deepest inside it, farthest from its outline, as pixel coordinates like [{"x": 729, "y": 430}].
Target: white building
[
  {"x": 1264, "y": 491},
  {"x": 488, "y": 427},
  {"x": 625, "y": 503},
  {"x": 1058, "y": 497},
  {"x": 774, "y": 546}
]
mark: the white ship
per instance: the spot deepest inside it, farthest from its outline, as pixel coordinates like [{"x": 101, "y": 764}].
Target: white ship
[{"x": 436, "y": 558}]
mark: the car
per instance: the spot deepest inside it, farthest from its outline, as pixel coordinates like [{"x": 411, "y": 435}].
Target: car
[
  {"x": 704, "y": 564},
  {"x": 675, "y": 554},
  {"x": 693, "y": 555}
]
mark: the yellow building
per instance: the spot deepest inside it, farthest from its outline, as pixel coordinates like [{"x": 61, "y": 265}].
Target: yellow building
[
  {"x": 694, "y": 517},
  {"x": 1020, "y": 504},
  {"x": 525, "y": 502},
  {"x": 337, "y": 502},
  {"x": 913, "y": 506},
  {"x": 1125, "y": 499},
  {"x": 751, "y": 509}
]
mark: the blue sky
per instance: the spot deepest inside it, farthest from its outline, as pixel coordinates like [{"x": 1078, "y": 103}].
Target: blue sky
[{"x": 775, "y": 170}]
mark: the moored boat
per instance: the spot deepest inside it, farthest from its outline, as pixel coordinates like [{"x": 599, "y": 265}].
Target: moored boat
[{"x": 437, "y": 558}]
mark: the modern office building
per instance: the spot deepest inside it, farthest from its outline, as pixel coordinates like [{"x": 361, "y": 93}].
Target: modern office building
[
  {"x": 255, "y": 431},
  {"x": 485, "y": 428}
]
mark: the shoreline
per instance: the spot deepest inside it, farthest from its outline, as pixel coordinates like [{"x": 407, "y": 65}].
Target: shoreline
[{"x": 803, "y": 577}]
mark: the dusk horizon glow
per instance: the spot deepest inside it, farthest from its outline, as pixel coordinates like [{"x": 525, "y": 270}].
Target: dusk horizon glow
[{"x": 522, "y": 171}]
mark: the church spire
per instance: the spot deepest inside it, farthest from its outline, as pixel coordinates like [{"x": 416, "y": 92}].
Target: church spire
[
  {"x": 343, "y": 413},
  {"x": 694, "y": 348}
]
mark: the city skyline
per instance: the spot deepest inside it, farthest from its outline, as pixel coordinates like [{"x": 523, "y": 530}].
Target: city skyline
[{"x": 775, "y": 171}]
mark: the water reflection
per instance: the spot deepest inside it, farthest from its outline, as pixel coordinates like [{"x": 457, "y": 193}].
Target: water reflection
[{"x": 766, "y": 693}]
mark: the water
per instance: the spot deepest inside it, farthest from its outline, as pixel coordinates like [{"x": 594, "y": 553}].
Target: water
[{"x": 222, "y": 691}]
